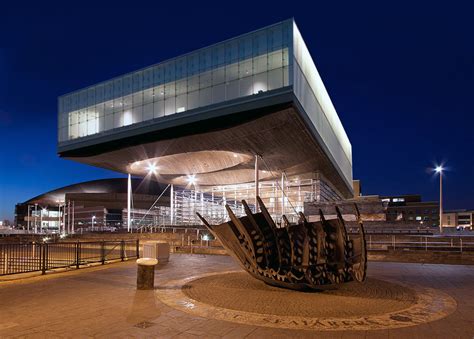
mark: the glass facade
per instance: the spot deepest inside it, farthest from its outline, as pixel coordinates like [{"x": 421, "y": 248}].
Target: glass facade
[
  {"x": 267, "y": 59},
  {"x": 312, "y": 95},
  {"x": 247, "y": 65}
]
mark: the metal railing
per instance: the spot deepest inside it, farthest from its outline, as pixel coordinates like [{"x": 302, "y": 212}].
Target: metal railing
[
  {"x": 31, "y": 257},
  {"x": 420, "y": 244}
]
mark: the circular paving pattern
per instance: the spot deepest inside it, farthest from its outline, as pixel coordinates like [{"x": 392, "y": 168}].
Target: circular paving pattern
[{"x": 375, "y": 304}]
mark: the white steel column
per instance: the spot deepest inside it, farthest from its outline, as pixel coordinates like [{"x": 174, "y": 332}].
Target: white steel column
[
  {"x": 129, "y": 201},
  {"x": 441, "y": 201},
  {"x": 59, "y": 217},
  {"x": 73, "y": 217},
  {"x": 256, "y": 183},
  {"x": 172, "y": 204},
  {"x": 29, "y": 218},
  {"x": 282, "y": 193},
  {"x": 36, "y": 218},
  {"x": 69, "y": 215},
  {"x": 64, "y": 217}
]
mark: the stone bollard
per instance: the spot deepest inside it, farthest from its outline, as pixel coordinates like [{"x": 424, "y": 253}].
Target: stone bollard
[{"x": 146, "y": 273}]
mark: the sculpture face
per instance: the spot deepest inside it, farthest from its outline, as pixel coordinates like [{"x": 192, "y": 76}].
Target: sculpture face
[{"x": 313, "y": 255}]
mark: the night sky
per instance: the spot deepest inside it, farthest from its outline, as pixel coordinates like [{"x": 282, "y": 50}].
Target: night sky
[{"x": 400, "y": 74}]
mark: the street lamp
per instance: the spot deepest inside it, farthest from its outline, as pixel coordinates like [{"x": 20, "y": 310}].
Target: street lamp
[
  {"x": 43, "y": 211},
  {"x": 36, "y": 218},
  {"x": 93, "y": 219},
  {"x": 439, "y": 169}
]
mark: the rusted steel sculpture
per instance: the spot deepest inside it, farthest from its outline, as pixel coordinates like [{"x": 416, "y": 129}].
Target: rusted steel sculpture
[{"x": 313, "y": 255}]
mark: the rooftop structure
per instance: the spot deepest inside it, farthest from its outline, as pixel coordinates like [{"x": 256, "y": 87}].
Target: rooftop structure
[{"x": 201, "y": 119}]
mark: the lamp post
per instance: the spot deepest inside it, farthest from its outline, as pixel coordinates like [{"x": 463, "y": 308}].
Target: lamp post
[
  {"x": 92, "y": 222},
  {"x": 43, "y": 211},
  {"x": 439, "y": 169},
  {"x": 36, "y": 218}
]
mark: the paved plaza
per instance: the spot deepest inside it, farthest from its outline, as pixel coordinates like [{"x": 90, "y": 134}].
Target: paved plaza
[{"x": 103, "y": 302}]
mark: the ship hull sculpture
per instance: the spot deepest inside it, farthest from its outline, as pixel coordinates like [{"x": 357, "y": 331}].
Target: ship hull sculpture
[{"x": 308, "y": 255}]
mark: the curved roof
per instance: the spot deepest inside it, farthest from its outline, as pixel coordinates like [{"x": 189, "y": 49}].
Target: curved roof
[{"x": 116, "y": 185}]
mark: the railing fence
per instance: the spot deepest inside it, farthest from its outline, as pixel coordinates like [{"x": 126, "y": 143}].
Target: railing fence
[{"x": 31, "y": 257}]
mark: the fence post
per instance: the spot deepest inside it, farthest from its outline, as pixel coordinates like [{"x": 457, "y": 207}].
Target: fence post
[
  {"x": 78, "y": 254},
  {"x": 138, "y": 248},
  {"x": 370, "y": 242},
  {"x": 122, "y": 250},
  {"x": 102, "y": 252},
  {"x": 43, "y": 261},
  {"x": 393, "y": 241},
  {"x": 426, "y": 244},
  {"x": 460, "y": 240}
]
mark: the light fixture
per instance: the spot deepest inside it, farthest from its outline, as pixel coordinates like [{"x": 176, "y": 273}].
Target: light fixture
[
  {"x": 151, "y": 168},
  {"x": 439, "y": 169},
  {"x": 191, "y": 179}
]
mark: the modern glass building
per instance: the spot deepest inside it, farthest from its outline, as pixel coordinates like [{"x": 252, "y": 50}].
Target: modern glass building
[{"x": 126, "y": 122}]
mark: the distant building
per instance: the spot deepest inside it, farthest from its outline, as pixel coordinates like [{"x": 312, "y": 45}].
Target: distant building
[
  {"x": 411, "y": 208},
  {"x": 459, "y": 218},
  {"x": 357, "y": 186},
  {"x": 97, "y": 204}
]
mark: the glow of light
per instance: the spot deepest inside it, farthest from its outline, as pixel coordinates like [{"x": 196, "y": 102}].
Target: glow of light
[
  {"x": 439, "y": 169},
  {"x": 127, "y": 118},
  {"x": 93, "y": 217},
  {"x": 235, "y": 155},
  {"x": 205, "y": 237},
  {"x": 151, "y": 168},
  {"x": 191, "y": 179},
  {"x": 62, "y": 236},
  {"x": 45, "y": 239}
]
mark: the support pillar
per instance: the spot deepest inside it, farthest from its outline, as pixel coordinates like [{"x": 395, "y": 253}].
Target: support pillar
[
  {"x": 256, "y": 183},
  {"x": 73, "y": 211},
  {"x": 172, "y": 204},
  {"x": 129, "y": 201}
]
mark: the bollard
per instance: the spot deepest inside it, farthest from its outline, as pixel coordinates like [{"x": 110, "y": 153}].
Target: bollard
[{"x": 146, "y": 273}]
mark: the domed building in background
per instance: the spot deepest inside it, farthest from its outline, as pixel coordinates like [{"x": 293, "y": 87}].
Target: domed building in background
[{"x": 94, "y": 205}]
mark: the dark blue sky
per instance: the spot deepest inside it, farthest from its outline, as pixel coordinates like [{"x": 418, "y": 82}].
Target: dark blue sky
[{"x": 400, "y": 74}]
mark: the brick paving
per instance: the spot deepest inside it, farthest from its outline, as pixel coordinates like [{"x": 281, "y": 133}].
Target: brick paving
[{"x": 103, "y": 302}]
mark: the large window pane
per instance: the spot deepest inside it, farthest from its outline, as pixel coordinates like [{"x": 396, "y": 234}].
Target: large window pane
[
  {"x": 232, "y": 89},
  {"x": 275, "y": 60},
  {"x": 205, "y": 79},
  {"x": 159, "y": 109},
  {"x": 148, "y": 112},
  {"x": 148, "y": 95},
  {"x": 245, "y": 68},
  {"x": 218, "y": 93},
  {"x": 218, "y": 76},
  {"x": 246, "y": 86},
  {"x": 260, "y": 83},
  {"x": 275, "y": 79},
  {"x": 193, "y": 99},
  {"x": 109, "y": 122},
  {"x": 181, "y": 103},
  {"x": 232, "y": 72},
  {"x": 205, "y": 97},
  {"x": 137, "y": 114},
  {"x": 170, "y": 106}
]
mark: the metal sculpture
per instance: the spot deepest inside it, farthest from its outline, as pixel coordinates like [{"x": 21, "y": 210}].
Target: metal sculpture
[{"x": 314, "y": 255}]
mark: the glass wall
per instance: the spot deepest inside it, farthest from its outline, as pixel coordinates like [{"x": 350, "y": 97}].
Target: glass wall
[
  {"x": 247, "y": 65},
  {"x": 312, "y": 95}
]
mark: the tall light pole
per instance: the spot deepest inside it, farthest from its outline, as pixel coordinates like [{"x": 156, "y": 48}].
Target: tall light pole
[
  {"x": 439, "y": 169},
  {"x": 36, "y": 218},
  {"x": 129, "y": 202}
]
